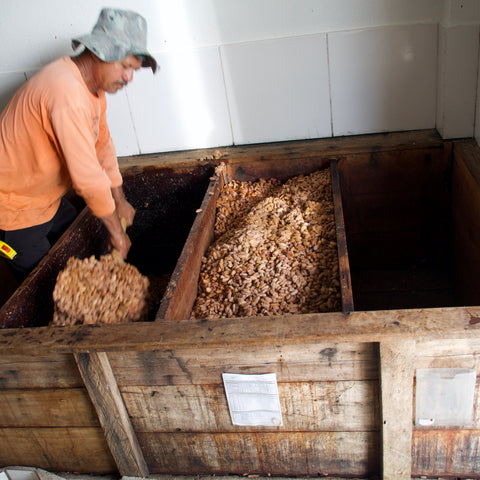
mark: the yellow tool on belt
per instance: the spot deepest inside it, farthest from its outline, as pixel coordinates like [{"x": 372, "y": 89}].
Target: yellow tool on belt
[{"x": 7, "y": 251}]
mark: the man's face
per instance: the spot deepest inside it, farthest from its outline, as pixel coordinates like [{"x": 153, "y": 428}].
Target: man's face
[{"x": 113, "y": 76}]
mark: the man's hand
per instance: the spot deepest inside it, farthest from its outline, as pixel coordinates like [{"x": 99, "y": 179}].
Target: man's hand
[
  {"x": 118, "y": 238},
  {"x": 124, "y": 209}
]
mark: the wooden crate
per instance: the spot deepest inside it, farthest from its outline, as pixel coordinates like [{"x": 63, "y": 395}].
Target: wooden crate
[{"x": 148, "y": 398}]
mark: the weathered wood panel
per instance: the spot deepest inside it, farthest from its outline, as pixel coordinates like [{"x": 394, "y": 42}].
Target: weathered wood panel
[
  {"x": 463, "y": 353},
  {"x": 293, "y": 151},
  {"x": 446, "y": 453},
  {"x": 275, "y": 453},
  {"x": 249, "y": 332},
  {"x": 386, "y": 226},
  {"x": 466, "y": 223},
  {"x": 82, "y": 450},
  {"x": 43, "y": 370},
  {"x": 47, "y": 407},
  {"x": 307, "y": 406},
  {"x": 205, "y": 365}
]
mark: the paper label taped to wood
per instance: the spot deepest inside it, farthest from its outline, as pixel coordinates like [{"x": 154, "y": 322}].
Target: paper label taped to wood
[{"x": 253, "y": 399}]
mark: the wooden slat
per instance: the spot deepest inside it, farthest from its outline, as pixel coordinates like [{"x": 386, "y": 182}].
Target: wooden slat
[
  {"x": 47, "y": 407},
  {"x": 81, "y": 450},
  {"x": 293, "y": 151},
  {"x": 308, "y": 406},
  {"x": 343, "y": 262},
  {"x": 285, "y": 453},
  {"x": 463, "y": 353},
  {"x": 466, "y": 224},
  {"x": 386, "y": 226},
  {"x": 179, "y": 297},
  {"x": 336, "y": 327},
  {"x": 446, "y": 453},
  {"x": 44, "y": 370},
  {"x": 205, "y": 365},
  {"x": 102, "y": 387},
  {"x": 396, "y": 380}
]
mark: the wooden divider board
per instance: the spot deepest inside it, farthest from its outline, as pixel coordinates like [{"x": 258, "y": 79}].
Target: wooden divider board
[
  {"x": 343, "y": 262},
  {"x": 181, "y": 291}
]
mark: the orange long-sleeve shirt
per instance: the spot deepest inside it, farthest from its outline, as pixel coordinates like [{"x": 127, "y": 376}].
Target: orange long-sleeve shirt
[{"x": 54, "y": 135}]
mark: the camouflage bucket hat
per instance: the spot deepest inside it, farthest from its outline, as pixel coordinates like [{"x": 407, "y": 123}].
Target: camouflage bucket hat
[{"x": 117, "y": 34}]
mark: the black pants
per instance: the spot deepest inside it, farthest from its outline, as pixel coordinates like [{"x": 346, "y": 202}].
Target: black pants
[{"x": 32, "y": 243}]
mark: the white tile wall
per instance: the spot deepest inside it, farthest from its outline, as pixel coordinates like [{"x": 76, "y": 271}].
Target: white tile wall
[
  {"x": 383, "y": 79},
  {"x": 457, "y": 80},
  {"x": 183, "y": 106},
  {"x": 278, "y": 89},
  {"x": 293, "y": 72},
  {"x": 121, "y": 124}
]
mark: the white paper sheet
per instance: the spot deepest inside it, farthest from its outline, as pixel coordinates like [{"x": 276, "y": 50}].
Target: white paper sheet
[{"x": 253, "y": 399}]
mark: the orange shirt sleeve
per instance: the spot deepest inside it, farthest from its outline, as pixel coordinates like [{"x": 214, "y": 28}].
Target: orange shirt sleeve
[
  {"x": 105, "y": 148},
  {"x": 77, "y": 129}
]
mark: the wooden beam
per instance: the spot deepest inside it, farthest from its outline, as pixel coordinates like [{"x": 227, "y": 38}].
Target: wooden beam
[
  {"x": 396, "y": 379},
  {"x": 103, "y": 390},
  {"x": 294, "y": 150},
  {"x": 358, "y": 326}
]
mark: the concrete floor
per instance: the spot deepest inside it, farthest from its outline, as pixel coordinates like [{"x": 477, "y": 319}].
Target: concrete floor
[{"x": 31, "y": 473}]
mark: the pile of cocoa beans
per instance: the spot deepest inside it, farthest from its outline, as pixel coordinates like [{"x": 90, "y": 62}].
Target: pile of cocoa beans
[
  {"x": 275, "y": 250},
  {"x": 104, "y": 290}
]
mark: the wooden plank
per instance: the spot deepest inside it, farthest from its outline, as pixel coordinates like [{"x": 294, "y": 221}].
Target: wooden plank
[
  {"x": 44, "y": 370},
  {"x": 102, "y": 387},
  {"x": 336, "y": 327},
  {"x": 294, "y": 150},
  {"x": 466, "y": 226},
  {"x": 47, "y": 407},
  {"x": 307, "y": 406},
  {"x": 343, "y": 262},
  {"x": 386, "y": 227},
  {"x": 463, "y": 353},
  {"x": 265, "y": 453},
  {"x": 181, "y": 291},
  {"x": 403, "y": 287},
  {"x": 396, "y": 380},
  {"x": 390, "y": 172},
  {"x": 81, "y": 450},
  {"x": 205, "y": 365},
  {"x": 446, "y": 453}
]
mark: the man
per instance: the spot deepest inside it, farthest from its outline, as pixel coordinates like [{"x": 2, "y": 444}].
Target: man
[{"x": 54, "y": 135}]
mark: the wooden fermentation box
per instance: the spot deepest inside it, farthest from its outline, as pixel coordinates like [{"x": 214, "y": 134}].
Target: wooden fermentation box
[{"x": 147, "y": 398}]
